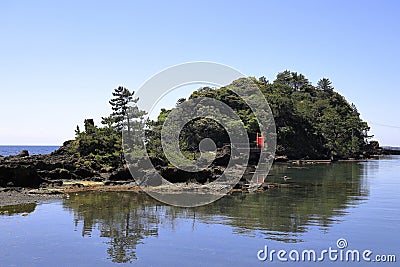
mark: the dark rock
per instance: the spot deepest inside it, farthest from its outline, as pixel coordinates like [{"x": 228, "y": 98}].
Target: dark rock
[
  {"x": 84, "y": 172},
  {"x": 151, "y": 179},
  {"x": 156, "y": 162},
  {"x": 281, "y": 159},
  {"x": 222, "y": 156},
  {"x": 103, "y": 176},
  {"x": 116, "y": 182},
  {"x": 97, "y": 179},
  {"x": 95, "y": 166},
  {"x": 175, "y": 175},
  {"x": 64, "y": 149},
  {"x": 57, "y": 174},
  {"x": 221, "y": 160},
  {"x": 240, "y": 185},
  {"x": 24, "y": 153},
  {"x": 52, "y": 183},
  {"x": 121, "y": 174},
  {"x": 77, "y": 185},
  {"x": 218, "y": 171},
  {"x": 22, "y": 176},
  {"x": 47, "y": 166},
  {"x": 203, "y": 176}
]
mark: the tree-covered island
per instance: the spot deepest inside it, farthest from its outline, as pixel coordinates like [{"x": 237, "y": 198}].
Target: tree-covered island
[{"x": 313, "y": 122}]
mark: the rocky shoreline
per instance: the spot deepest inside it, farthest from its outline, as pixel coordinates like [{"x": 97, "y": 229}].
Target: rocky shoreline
[
  {"x": 53, "y": 169},
  {"x": 11, "y": 196},
  {"x": 26, "y": 179},
  {"x": 18, "y": 196}
]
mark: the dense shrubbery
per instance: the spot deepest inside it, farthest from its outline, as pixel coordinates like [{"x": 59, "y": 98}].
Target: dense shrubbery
[
  {"x": 104, "y": 144},
  {"x": 101, "y": 144}
]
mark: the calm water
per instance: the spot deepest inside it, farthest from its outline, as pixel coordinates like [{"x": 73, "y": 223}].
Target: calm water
[
  {"x": 33, "y": 150},
  {"x": 356, "y": 201}
]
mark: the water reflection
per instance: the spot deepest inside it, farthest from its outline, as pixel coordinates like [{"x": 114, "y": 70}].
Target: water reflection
[
  {"x": 17, "y": 209},
  {"x": 320, "y": 198}
]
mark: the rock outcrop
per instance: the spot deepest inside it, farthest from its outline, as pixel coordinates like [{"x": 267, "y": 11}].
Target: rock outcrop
[
  {"x": 36, "y": 170},
  {"x": 19, "y": 176},
  {"x": 24, "y": 153}
]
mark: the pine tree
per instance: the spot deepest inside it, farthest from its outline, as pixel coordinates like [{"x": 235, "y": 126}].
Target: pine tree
[
  {"x": 325, "y": 84},
  {"x": 120, "y": 105},
  {"x": 126, "y": 115}
]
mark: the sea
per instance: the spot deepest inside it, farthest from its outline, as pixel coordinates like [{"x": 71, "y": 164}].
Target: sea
[
  {"x": 33, "y": 150},
  {"x": 339, "y": 214}
]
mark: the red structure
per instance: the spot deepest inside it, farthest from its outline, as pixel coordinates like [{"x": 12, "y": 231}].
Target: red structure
[{"x": 260, "y": 140}]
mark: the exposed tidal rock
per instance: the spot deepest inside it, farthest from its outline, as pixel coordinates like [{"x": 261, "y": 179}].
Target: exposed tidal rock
[
  {"x": 222, "y": 157},
  {"x": 151, "y": 179},
  {"x": 85, "y": 172},
  {"x": 57, "y": 174},
  {"x": 47, "y": 170},
  {"x": 24, "y": 153},
  {"x": 175, "y": 175},
  {"x": 20, "y": 176},
  {"x": 121, "y": 174}
]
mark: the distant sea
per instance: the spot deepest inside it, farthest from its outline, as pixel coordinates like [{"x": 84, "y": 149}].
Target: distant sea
[{"x": 33, "y": 150}]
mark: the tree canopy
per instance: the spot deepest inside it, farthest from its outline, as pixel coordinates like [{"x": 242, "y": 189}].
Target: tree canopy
[
  {"x": 104, "y": 144},
  {"x": 312, "y": 122}
]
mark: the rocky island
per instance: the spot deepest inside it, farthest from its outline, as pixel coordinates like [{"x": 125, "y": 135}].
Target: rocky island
[{"x": 312, "y": 123}]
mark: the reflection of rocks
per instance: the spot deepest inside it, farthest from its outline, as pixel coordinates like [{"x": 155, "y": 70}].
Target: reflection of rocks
[
  {"x": 17, "y": 195},
  {"x": 25, "y": 209},
  {"x": 125, "y": 220}
]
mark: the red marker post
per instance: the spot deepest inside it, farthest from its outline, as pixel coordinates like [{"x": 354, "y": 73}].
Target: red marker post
[{"x": 260, "y": 140}]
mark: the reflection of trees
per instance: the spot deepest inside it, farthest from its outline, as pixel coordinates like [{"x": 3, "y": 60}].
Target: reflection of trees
[
  {"x": 127, "y": 232},
  {"x": 124, "y": 218},
  {"x": 321, "y": 197},
  {"x": 322, "y": 194}
]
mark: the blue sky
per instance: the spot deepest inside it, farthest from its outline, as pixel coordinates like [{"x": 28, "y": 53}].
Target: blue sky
[{"x": 60, "y": 60}]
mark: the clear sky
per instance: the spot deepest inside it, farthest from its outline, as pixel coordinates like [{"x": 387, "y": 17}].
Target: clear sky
[{"x": 60, "y": 60}]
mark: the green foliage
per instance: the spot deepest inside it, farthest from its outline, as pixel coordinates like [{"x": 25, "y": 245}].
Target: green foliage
[
  {"x": 104, "y": 144},
  {"x": 101, "y": 144},
  {"x": 311, "y": 122},
  {"x": 325, "y": 84},
  {"x": 124, "y": 110}
]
